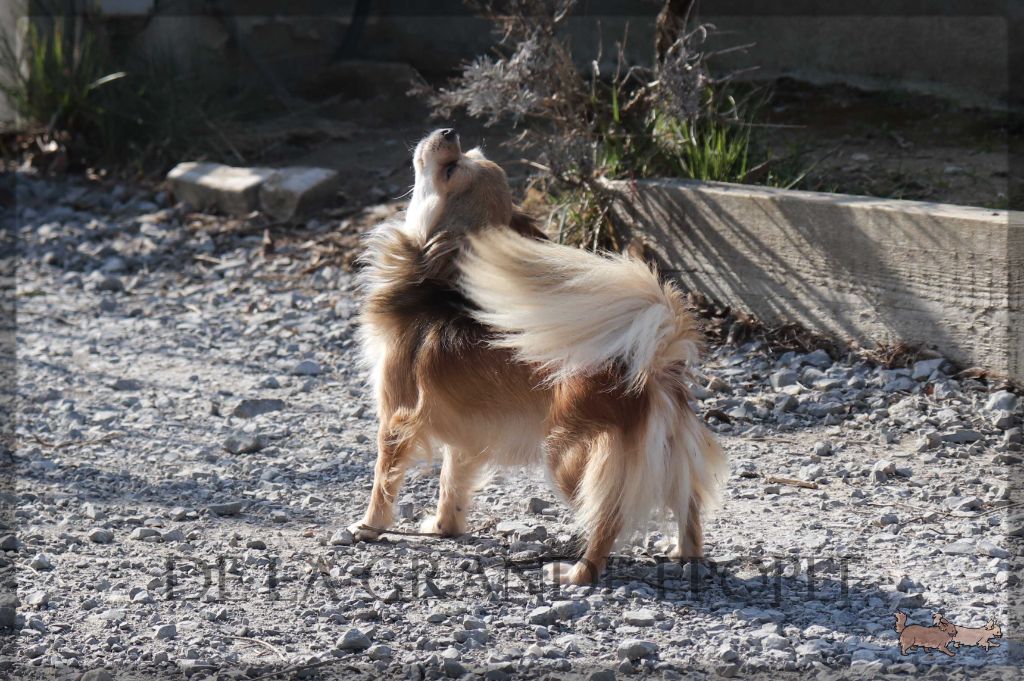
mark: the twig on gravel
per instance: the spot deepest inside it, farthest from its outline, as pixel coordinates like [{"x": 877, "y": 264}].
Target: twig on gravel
[
  {"x": 924, "y": 511},
  {"x": 792, "y": 482},
  {"x": 72, "y": 443},
  {"x": 266, "y": 645}
]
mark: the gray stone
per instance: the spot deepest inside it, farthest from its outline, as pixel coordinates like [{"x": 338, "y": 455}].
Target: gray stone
[
  {"x": 961, "y": 547},
  {"x": 251, "y": 408},
  {"x": 781, "y": 379},
  {"x": 211, "y": 185},
  {"x": 1002, "y": 400},
  {"x": 380, "y": 652},
  {"x": 541, "y": 615},
  {"x": 41, "y": 562},
  {"x": 536, "y": 505},
  {"x": 226, "y": 508},
  {"x": 143, "y": 533},
  {"x": 823, "y": 448},
  {"x": 290, "y": 192},
  {"x": 100, "y": 535},
  {"x": 354, "y": 640},
  {"x": 165, "y": 631},
  {"x": 243, "y": 443},
  {"x": 37, "y": 599},
  {"x": 635, "y": 649},
  {"x": 990, "y": 548},
  {"x": 962, "y": 436},
  {"x": 307, "y": 367},
  {"x": 127, "y": 385},
  {"x": 8, "y": 610},
  {"x": 342, "y": 538},
  {"x": 925, "y": 368},
  {"x": 639, "y": 618}
]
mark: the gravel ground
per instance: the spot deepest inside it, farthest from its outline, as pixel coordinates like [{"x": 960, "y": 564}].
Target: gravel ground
[{"x": 193, "y": 434}]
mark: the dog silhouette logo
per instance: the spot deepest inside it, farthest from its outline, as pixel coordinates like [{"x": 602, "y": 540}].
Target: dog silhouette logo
[{"x": 942, "y": 634}]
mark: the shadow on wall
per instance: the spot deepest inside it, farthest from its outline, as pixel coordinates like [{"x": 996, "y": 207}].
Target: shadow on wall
[{"x": 855, "y": 268}]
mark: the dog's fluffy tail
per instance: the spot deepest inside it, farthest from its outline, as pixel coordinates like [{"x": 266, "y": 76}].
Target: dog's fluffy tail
[{"x": 574, "y": 312}]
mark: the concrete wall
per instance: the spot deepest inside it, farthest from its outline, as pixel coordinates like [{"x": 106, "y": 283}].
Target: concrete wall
[
  {"x": 854, "y": 268},
  {"x": 957, "y": 50}
]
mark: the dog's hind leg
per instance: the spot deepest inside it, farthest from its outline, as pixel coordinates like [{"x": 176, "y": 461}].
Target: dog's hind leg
[
  {"x": 599, "y": 503},
  {"x": 396, "y": 441},
  {"x": 690, "y": 545},
  {"x": 459, "y": 475}
]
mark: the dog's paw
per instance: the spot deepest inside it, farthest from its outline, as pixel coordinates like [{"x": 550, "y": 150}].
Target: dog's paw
[
  {"x": 567, "y": 573},
  {"x": 685, "y": 553},
  {"x": 362, "y": 533},
  {"x": 431, "y": 525}
]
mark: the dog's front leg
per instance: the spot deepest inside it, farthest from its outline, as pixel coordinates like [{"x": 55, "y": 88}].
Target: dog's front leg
[{"x": 394, "y": 448}]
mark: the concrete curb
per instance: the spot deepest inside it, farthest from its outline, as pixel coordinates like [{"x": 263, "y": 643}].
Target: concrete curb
[{"x": 855, "y": 268}]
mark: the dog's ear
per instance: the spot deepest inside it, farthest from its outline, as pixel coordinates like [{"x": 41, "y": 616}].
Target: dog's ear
[
  {"x": 524, "y": 224},
  {"x": 476, "y": 153}
]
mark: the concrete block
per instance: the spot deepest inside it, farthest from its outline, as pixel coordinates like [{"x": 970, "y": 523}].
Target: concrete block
[
  {"x": 211, "y": 185},
  {"x": 855, "y": 268},
  {"x": 291, "y": 191}
]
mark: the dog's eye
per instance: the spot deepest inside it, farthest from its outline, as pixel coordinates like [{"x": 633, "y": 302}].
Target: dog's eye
[{"x": 449, "y": 169}]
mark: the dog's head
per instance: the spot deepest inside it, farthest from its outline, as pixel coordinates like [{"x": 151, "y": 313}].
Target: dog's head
[
  {"x": 994, "y": 628},
  {"x": 943, "y": 624},
  {"x": 455, "y": 192}
]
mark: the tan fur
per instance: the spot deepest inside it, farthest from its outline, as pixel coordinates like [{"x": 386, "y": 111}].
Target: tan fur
[
  {"x": 981, "y": 636},
  {"x": 936, "y": 637},
  {"x": 453, "y": 374}
]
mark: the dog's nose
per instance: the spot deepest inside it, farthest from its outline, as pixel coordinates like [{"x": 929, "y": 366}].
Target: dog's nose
[{"x": 449, "y": 134}]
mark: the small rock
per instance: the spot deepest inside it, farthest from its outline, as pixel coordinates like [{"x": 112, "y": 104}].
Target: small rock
[
  {"x": 248, "y": 409},
  {"x": 961, "y": 547},
  {"x": 165, "y": 631},
  {"x": 541, "y": 615},
  {"x": 1002, "y": 400},
  {"x": 41, "y": 562},
  {"x": 990, "y": 548},
  {"x": 380, "y": 652},
  {"x": 101, "y": 536},
  {"x": 342, "y": 538},
  {"x": 143, "y": 533},
  {"x": 257, "y": 544},
  {"x": 226, "y": 508},
  {"x": 243, "y": 443},
  {"x": 306, "y": 367},
  {"x": 127, "y": 385},
  {"x": 823, "y": 448},
  {"x": 962, "y": 436},
  {"x": 882, "y": 470},
  {"x": 783, "y": 378},
  {"x": 925, "y": 368},
  {"x": 291, "y": 191},
  {"x": 354, "y": 640},
  {"x": 887, "y": 519},
  {"x": 635, "y": 649},
  {"x": 639, "y": 618},
  {"x": 929, "y": 441},
  {"x": 8, "y": 610},
  {"x": 536, "y": 505},
  {"x": 37, "y": 599},
  {"x": 717, "y": 385}
]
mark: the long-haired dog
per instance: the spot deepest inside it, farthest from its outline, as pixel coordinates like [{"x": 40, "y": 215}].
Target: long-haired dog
[
  {"x": 978, "y": 636},
  {"x": 492, "y": 345},
  {"x": 936, "y": 637}
]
